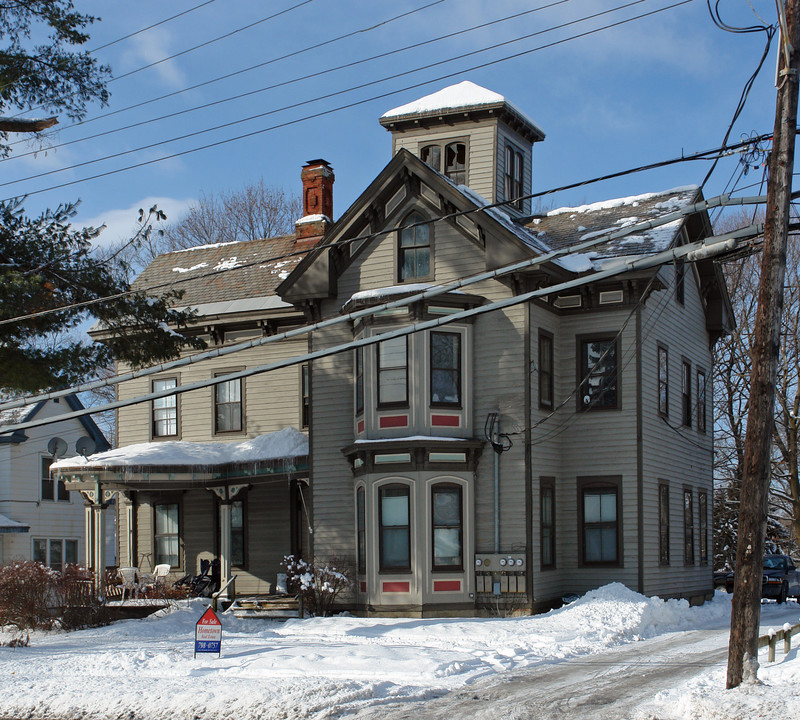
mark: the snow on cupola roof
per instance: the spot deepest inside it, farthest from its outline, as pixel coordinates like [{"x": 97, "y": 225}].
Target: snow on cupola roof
[{"x": 457, "y": 99}]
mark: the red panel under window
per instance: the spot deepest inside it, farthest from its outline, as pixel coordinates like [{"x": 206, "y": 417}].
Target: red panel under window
[
  {"x": 396, "y": 587},
  {"x": 446, "y": 585},
  {"x": 360, "y": 426},
  {"x": 363, "y": 587},
  {"x": 390, "y": 421},
  {"x": 446, "y": 420}
]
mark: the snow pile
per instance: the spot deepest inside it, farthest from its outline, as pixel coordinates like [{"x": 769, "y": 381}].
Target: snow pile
[
  {"x": 286, "y": 443},
  {"x": 317, "y": 667}
]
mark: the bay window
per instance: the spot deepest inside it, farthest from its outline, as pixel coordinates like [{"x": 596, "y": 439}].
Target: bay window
[
  {"x": 445, "y": 363},
  {"x": 392, "y": 363},
  {"x": 446, "y": 503},
  {"x": 394, "y": 528}
]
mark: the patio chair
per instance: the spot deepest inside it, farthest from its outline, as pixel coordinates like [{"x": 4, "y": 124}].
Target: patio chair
[
  {"x": 130, "y": 581},
  {"x": 160, "y": 573}
]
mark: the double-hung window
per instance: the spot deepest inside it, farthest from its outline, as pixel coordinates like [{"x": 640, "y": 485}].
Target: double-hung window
[
  {"x": 414, "y": 251},
  {"x": 701, "y": 401},
  {"x": 545, "y": 370},
  {"x": 392, "y": 363},
  {"x": 450, "y": 159},
  {"x": 599, "y": 379},
  {"x": 663, "y": 524},
  {"x": 359, "y": 380},
  {"x": 686, "y": 394},
  {"x": 361, "y": 530},
  {"x": 395, "y": 528},
  {"x": 702, "y": 510},
  {"x": 165, "y": 409},
  {"x": 663, "y": 381},
  {"x": 600, "y": 524},
  {"x": 446, "y": 501},
  {"x": 513, "y": 176},
  {"x": 547, "y": 515},
  {"x": 688, "y": 526},
  {"x": 167, "y": 534},
  {"x": 52, "y": 489},
  {"x": 445, "y": 368},
  {"x": 228, "y": 406}
]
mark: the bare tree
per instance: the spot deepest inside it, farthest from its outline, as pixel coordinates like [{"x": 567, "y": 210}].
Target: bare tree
[
  {"x": 731, "y": 400},
  {"x": 254, "y": 211}
]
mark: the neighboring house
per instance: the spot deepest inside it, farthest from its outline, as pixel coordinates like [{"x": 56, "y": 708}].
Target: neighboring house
[
  {"x": 499, "y": 461},
  {"x": 39, "y": 518}
]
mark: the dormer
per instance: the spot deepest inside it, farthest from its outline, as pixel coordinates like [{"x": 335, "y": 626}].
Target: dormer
[{"x": 473, "y": 136}]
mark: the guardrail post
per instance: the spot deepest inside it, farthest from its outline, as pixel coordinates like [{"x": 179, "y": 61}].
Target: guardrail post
[{"x": 773, "y": 641}]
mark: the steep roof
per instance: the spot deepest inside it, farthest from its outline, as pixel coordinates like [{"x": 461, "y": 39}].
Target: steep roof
[
  {"x": 224, "y": 271},
  {"x": 568, "y": 226},
  {"x": 457, "y": 99}
]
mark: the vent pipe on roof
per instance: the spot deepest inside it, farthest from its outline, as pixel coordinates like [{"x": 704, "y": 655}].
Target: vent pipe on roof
[{"x": 317, "y": 177}]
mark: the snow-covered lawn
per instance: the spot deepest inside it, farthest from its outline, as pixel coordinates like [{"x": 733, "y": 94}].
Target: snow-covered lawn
[{"x": 321, "y": 667}]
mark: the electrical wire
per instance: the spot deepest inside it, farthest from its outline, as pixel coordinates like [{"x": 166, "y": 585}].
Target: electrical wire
[
  {"x": 315, "y": 99},
  {"x": 269, "y": 62},
  {"x": 330, "y": 111}
]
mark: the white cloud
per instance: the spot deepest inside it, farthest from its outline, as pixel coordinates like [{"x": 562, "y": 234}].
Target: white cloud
[
  {"x": 151, "y": 47},
  {"x": 121, "y": 223}
]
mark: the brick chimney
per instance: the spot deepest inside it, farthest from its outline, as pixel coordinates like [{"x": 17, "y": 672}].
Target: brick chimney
[{"x": 317, "y": 177}]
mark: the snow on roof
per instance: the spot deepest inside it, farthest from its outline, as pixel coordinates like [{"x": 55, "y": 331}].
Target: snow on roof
[
  {"x": 13, "y": 415},
  {"x": 671, "y": 204},
  {"x": 7, "y": 525},
  {"x": 208, "y": 246},
  {"x": 463, "y": 95},
  {"x": 286, "y": 443}
]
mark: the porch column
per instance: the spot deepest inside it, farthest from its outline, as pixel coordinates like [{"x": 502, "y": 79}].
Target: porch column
[
  {"x": 96, "y": 535},
  {"x": 225, "y": 542}
]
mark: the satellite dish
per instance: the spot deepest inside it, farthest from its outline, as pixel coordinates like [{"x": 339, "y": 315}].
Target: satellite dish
[
  {"x": 85, "y": 446},
  {"x": 57, "y": 447}
]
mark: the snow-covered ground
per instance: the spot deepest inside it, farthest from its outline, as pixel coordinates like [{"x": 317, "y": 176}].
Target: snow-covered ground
[{"x": 323, "y": 667}]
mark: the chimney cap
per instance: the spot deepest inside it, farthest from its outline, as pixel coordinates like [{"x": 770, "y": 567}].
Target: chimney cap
[{"x": 318, "y": 161}]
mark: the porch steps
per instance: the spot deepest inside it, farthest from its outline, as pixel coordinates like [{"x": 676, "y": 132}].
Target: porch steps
[{"x": 278, "y": 607}]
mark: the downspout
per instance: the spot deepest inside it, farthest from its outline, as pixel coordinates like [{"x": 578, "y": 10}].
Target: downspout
[
  {"x": 496, "y": 440},
  {"x": 639, "y": 453}
]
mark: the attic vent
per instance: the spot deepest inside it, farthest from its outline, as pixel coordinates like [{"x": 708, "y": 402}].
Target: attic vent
[
  {"x": 395, "y": 200},
  {"x": 610, "y": 296},
  {"x": 568, "y": 301}
]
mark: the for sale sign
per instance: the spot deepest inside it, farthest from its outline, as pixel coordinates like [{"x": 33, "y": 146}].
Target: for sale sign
[{"x": 208, "y": 634}]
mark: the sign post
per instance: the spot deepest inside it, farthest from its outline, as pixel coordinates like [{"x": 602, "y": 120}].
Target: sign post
[{"x": 208, "y": 634}]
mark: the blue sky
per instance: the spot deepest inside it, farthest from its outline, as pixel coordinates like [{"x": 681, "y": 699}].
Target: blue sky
[{"x": 644, "y": 91}]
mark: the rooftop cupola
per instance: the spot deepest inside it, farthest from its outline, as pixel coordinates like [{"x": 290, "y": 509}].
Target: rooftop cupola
[{"x": 473, "y": 136}]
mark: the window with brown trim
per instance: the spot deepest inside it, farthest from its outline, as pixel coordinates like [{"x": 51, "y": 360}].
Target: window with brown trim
[
  {"x": 165, "y": 409},
  {"x": 394, "y": 528},
  {"x": 547, "y": 523},
  {"x": 414, "y": 249},
  {"x": 228, "y": 406},
  {"x": 598, "y": 373},
  {"x": 447, "y": 527},
  {"x": 545, "y": 370},
  {"x": 702, "y": 509},
  {"x": 688, "y": 527},
  {"x": 600, "y": 529},
  {"x": 663, "y": 381},
  {"x": 663, "y": 524},
  {"x": 361, "y": 530},
  {"x": 513, "y": 176},
  {"x": 392, "y": 363},
  {"x": 701, "y": 401},
  {"x": 686, "y": 394},
  {"x": 445, "y": 368}
]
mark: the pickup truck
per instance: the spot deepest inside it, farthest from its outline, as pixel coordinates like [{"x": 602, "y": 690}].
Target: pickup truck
[{"x": 780, "y": 580}]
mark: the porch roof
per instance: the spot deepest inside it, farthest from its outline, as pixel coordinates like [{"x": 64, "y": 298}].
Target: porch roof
[
  {"x": 181, "y": 464},
  {"x": 7, "y": 525}
]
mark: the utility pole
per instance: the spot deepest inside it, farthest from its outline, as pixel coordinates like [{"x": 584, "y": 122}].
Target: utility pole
[{"x": 746, "y": 604}]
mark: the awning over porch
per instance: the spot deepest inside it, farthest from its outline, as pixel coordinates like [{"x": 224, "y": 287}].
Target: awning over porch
[
  {"x": 177, "y": 464},
  {"x": 7, "y": 525}
]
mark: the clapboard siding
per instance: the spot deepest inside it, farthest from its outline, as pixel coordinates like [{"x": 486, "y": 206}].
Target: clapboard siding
[{"x": 682, "y": 457}]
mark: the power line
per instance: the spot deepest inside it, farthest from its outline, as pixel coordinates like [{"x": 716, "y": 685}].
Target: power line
[
  {"x": 191, "y": 49},
  {"x": 355, "y": 315},
  {"x": 315, "y": 99},
  {"x": 323, "y": 113},
  {"x": 690, "y": 253},
  {"x": 303, "y": 77},
  {"x": 379, "y": 233}
]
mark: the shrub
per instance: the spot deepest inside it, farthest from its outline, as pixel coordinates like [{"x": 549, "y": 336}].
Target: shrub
[
  {"x": 27, "y": 592},
  {"x": 319, "y": 584}
]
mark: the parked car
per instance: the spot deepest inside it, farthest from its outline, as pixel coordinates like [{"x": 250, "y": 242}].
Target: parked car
[{"x": 780, "y": 580}]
